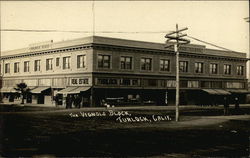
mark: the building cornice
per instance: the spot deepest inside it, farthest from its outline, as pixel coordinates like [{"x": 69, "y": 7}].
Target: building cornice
[
  {"x": 51, "y": 51},
  {"x": 125, "y": 49}
]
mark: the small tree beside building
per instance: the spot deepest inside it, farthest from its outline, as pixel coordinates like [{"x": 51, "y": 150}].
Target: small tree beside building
[{"x": 23, "y": 88}]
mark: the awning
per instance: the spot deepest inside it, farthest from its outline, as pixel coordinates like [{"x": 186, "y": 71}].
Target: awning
[
  {"x": 78, "y": 90},
  {"x": 66, "y": 90},
  {"x": 31, "y": 88},
  {"x": 222, "y": 92},
  {"x": 39, "y": 89},
  {"x": 242, "y": 91},
  {"x": 216, "y": 91},
  {"x": 8, "y": 90},
  {"x": 210, "y": 91}
]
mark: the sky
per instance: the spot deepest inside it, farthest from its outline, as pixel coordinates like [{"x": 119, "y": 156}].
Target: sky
[{"x": 218, "y": 22}]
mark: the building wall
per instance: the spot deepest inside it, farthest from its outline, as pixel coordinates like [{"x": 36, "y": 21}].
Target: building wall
[
  {"x": 57, "y": 77},
  {"x": 136, "y": 67}
]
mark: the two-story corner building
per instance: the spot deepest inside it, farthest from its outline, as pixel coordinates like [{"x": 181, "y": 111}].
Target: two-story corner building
[{"x": 123, "y": 72}]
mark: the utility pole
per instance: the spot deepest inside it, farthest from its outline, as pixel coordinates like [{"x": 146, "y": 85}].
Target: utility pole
[{"x": 178, "y": 40}]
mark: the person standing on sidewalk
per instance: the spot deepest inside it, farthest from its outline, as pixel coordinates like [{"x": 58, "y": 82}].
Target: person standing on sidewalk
[
  {"x": 237, "y": 105},
  {"x": 226, "y": 106}
]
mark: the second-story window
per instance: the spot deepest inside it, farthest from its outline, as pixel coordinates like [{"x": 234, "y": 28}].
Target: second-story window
[
  {"x": 164, "y": 65},
  {"x": 7, "y": 68},
  {"x": 16, "y": 67},
  {"x": 183, "y": 66},
  {"x": 227, "y": 69},
  {"x": 198, "y": 67},
  {"x": 103, "y": 61},
  {"x": 26, "y": 66},
  {"x": 37, "y": 65},
  {"x": 57, "y": 61},
  {"x": 81, "y": 61},
  {"x": 213, "y": 68},
  {"x": 240, "y": 70},
  {"x": 49, "y": 64},
  {"x": 146, "y": 64},
  {"x": 126, "y": 62},
  {"x": 66, "y": 62}
]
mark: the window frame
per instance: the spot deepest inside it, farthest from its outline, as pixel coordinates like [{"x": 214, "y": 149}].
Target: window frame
[
  {"x": 7, "y": 68},
  {"x": 26, "y": 66},
  {"x": 186, "y": 66},
  {"x": 79, "y": 63},
  {"x": 227, "y": 67},
  {"x": 101, "y": 66},
  {"x": 49, "y": 64},
  {"x": 126, "y": 67},
  {"x": 212, "y": 68},
  {"x": 16, "y": 67},
  {"x": 164, "y": 69},
  {"x": 240, "y": 72},
  {"x": 37, "y": 65},
  {"x": 149, "y": 65},
  {"x": 197, "y": 68},
  {"x": 66, "y": 62}
]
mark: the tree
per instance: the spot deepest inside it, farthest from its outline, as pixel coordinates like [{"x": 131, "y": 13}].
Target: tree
[{"x": 23, "y": 88}]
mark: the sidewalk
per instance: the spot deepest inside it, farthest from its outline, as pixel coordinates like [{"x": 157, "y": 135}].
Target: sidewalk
[{"x": 149, "y": 107}]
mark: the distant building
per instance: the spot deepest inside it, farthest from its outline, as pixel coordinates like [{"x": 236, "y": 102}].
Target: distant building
[{"x": 123, "y": 72}]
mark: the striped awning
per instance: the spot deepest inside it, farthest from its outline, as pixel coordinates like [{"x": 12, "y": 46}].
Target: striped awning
[
  {"x": 216, "y": 91},
  {"x": 66, "y": 90},
  {"x": 38, "y": 90},
  {"x": 79, "y": 90}
]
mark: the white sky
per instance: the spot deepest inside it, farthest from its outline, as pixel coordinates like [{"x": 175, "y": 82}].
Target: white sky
[{"x": 218, "y": 22}]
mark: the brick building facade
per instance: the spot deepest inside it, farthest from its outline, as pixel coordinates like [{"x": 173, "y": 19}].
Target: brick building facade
[{"x": 123, "y": 72}]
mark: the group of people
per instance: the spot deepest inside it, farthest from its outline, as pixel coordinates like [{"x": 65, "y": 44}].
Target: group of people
[
  {"x": 73, "y": 100},
  {"x": 226, "y": 105}
]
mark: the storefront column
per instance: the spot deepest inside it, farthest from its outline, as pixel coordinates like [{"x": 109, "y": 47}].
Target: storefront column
[{"x": 92, "y": 98}]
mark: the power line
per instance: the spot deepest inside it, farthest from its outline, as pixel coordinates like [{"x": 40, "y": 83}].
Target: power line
[
  {"x": 210, "y": 43},
  {"x": 73, "y": 31},
  {"x": 119, "y": 32}
]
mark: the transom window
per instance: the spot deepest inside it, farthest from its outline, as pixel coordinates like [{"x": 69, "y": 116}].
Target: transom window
[
  {"x": 126, "y": 62},
  {"x": 213, "y": 68},
  {"x": 198, "y": 67},
  {"x": 107, "y": 81},
  {"x": 37, "y": 65},
  {"x": 49, "y": 64},
  {"x": 66, "y": 62},
  {"x": 183, "y": 66},
  {"x": 26, "y": 66},
  {"x": 164, "y": 65},
  {"x": 227, "y": 69},
  {"x": 146, "y": 64},
  {"x": 81, "y": 61},
  {"x": 240, "y": 70},
  {"x": 104, "y": 61},
  {"x": 16, "y": 67}
]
